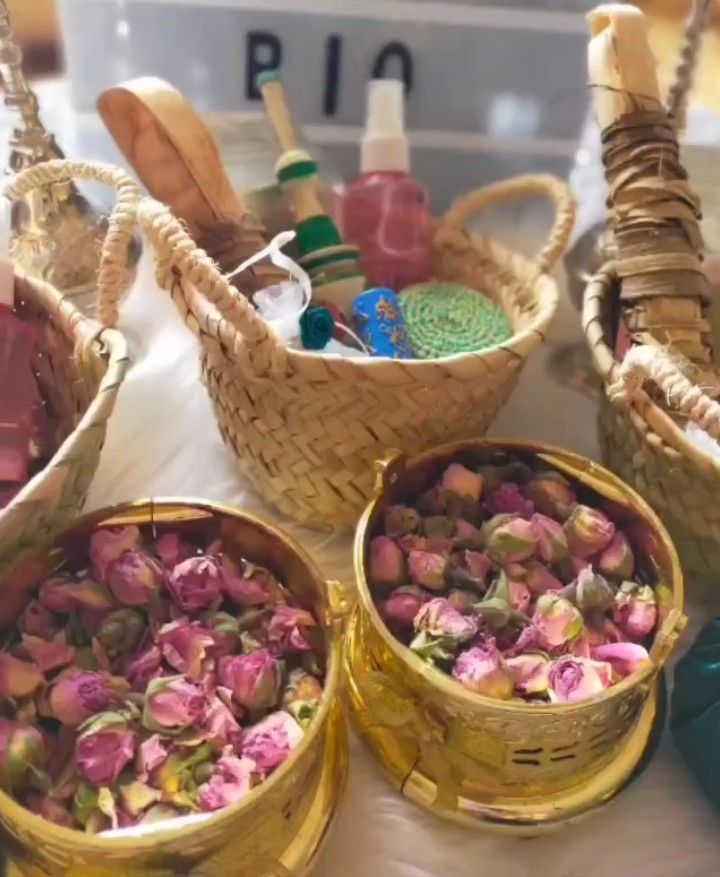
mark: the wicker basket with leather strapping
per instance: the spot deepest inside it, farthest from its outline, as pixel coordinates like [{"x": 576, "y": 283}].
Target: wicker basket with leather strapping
[
  {"x": 667, "y": 378},
  {"x": 306, "y": 429},
  {"x": 80, "y": 367}
]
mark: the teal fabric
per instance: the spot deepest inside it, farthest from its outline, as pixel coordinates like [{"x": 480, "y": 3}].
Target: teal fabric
[{"x": 695, "y": 710}]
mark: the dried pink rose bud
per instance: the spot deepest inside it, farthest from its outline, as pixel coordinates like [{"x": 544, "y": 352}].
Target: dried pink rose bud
[
  {"x": 592, "y": 591},
  {"x": 478, "y": 564},
  {"x": 144, "y": 667},
  {"x": 171, "y": 550},
  {"x": 461, "y": 482},
  {"x": 617, "y": 559},
  {"x": 573, "y": 679},
  {"x": 18, "y": 678},
  {"x": 437, "y": 618},
  {"x": 540, "y": 580},
  {"x": 402, "y": 606},
  {"x": 37, "y": 621},
  {"x": 195, "y": 583},
  {"x": 467, "y": 533},
  {"x": 21, "y": 750},
  {"x": 231, "y": 781},
  {"x": 184, "y": 646},
  {"x": 529, "y": 672},
  {"x": 220, "y": 727},
  {"x": 427, "y": 569},
  {"x": 173, "y": 704},
  {"x": 386, "y": 564},
  {"x": 508, "y": 499},
  {"x": 244, "y": 592},
  {"x": 552, "y": 542},
  {"x": 102, "y": 754},
  {"x": 302, "y": 697},
  {"x": 152, "y": 753},
  {"x": 270, "y": 741},
  {"x": 65, "y": 595},
  {"x": 462, "y": 600},
  {"x": 551, "y": 494},
  {"x": 120, "y": 631},
  {"x": 79, "y": 695},
  {"x": 509, "y": 539},
  {"x": 482, "y": 670},
  {"x": 588, "y": 531},
  {"x": 48, "y": 655},
  {"x": 555, "y": 621},
  {"x": 624, "y": 658},
  {"x": 287, "y": 630},
  {"x": 519, "y": 595},
  {"x": 255, "y": 679},
  {"x": 108, "y": 544},
  {"x": 400, "y": 520},
  {"x": 635, "y": 610},
  {"x": 134, "y": 578}
]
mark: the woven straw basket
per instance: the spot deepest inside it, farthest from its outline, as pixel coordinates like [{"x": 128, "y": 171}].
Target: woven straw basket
[
  {"x": 80, "y": 368},
  {"x": 307, "y": 428},
  {"x": 648, "y": 447}
]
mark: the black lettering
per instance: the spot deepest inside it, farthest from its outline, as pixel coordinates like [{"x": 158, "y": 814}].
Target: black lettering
[
  {"x": 400, "y": 51},
  {"x": 333, "y": 54},
  {"x": 264, "y": 52}
]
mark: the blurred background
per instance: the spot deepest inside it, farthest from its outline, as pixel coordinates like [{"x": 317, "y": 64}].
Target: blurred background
[{"x": 496, "y": 87}]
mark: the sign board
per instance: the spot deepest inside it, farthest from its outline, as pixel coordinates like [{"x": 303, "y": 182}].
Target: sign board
[{"x": 505, "y": 82}]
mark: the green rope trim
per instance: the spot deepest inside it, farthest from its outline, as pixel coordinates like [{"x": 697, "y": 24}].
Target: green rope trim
[{"x": 445, "y": 318}]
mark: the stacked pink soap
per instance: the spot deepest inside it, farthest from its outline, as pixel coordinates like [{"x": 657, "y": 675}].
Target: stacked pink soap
[
  {"x": 504, "y": 579},
  {"x": 162, "y": 679}
]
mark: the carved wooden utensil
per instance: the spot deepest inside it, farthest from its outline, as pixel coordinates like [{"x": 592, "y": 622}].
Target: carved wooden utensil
[{"x": 176, "y": 157}]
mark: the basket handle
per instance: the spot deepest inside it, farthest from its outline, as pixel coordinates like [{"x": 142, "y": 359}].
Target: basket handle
[
  {"x": 668, "y": 370},
  {"x": 529, "y": 186},
  {"x": 114, "y": 272},
  {"x": 179, "y": 257}
]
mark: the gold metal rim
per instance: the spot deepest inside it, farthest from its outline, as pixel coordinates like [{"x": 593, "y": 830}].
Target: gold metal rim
[{"x": 523, "y": 817}]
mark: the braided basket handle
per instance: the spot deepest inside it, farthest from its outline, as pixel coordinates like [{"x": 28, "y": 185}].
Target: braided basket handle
[
  {"x": 114, "y": 272},
  {"x": 529, "y": 186},
  {"x": 179, "y": 259},
  {"x": 668, "y": 370}
]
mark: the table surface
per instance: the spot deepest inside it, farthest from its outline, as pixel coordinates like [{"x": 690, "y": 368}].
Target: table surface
[{"x": 163, "y": 441}]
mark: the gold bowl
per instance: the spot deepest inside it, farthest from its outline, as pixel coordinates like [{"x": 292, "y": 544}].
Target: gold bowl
[
  {"x": 277, "y": 829},
  {"x": 482, "y": 761}
]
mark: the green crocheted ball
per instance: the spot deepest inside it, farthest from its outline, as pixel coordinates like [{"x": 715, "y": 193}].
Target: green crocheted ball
[{"x": 447, "y": 318}]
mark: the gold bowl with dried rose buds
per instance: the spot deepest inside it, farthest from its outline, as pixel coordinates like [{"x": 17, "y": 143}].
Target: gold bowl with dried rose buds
[
  {"x": 277, "y": 827},
  {"x": 519, "y": 764}
]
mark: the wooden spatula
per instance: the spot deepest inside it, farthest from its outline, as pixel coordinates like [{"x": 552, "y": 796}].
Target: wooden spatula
[{"x": 176, "y": 157}]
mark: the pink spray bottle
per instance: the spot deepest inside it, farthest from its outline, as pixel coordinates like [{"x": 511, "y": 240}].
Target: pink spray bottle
[{"x": 385, "y": 212}]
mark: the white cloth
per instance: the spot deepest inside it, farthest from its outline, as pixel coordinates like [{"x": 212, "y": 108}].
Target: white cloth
[{"x": 163, "y": 441}]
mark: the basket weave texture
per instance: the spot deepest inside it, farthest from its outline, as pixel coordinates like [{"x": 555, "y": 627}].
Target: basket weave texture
[
  {"x": 307, "y": 429},
  {"x": 80, "y": 368}
]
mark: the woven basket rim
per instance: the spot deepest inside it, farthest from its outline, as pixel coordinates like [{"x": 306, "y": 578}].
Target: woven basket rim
[
  {"x": 100, "y": 342},
  {"x": 643, "y": 412}
]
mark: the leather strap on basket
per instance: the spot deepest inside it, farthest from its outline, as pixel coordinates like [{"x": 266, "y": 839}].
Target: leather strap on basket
[
  {"x": 530, "y": 186},
  {"x": 114, "y": 273},
  {"x": 656, "y": 217}
]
